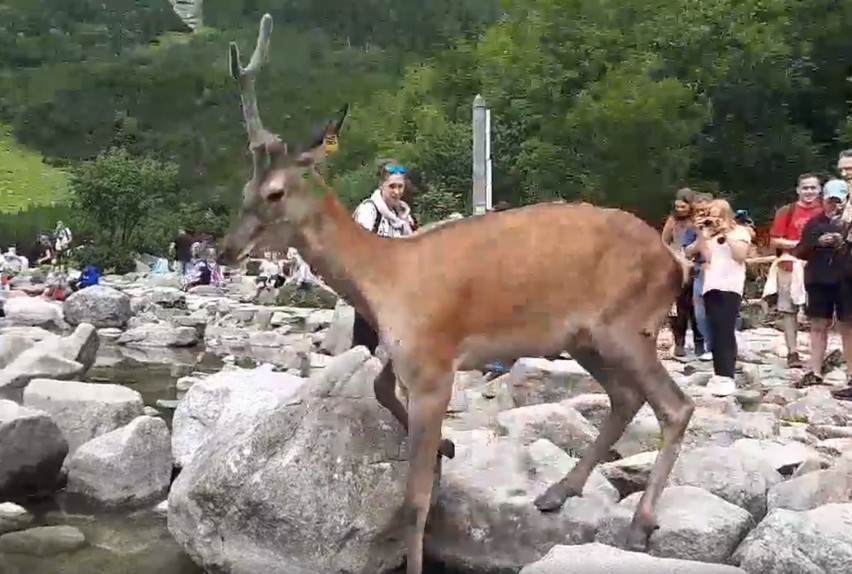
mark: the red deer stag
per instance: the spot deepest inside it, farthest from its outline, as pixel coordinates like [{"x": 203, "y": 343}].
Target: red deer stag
[{"x": 530, "y": 281}]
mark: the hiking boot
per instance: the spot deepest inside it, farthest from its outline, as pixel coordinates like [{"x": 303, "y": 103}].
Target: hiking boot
[
  {"x": 809, "y": 379},
  {"x": 794, "y": 361},
  {"x": 844, "y": 394},
  {"x": 679, "y": 351},
  {"x": 834, "y": 360}
]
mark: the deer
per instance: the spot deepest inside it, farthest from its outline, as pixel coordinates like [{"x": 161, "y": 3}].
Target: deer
[{"x": 525, "y": 282}]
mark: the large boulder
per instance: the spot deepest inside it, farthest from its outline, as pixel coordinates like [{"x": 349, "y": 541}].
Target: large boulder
[
  {"x": 99, "y": 305},
  {"x": 130, "y": 466},
  {"x": 33, "y": 311},
  {"x": 534, "y": 381},
  {"x": 694, "y": 525},
  {"x": 487, "y": 497},
  {"x": 817, "y": 541},
  {"x": 159, "y": 335},
  {"x": 314, "y": 486},
  {"x": 218, "y": 402},
  {"x": 338, "y": 338},
  {"x": 603, "y": 559},
  {"x": 53, "y": 357},
  {"x": 729, "y": 474},
  {"x": 84, "y": 411},
  {"x": 32, "y": 449},
  {"x": 12, "y": 345}
]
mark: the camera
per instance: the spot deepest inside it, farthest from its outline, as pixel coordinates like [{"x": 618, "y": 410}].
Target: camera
[{"x": 743, "y": 218}]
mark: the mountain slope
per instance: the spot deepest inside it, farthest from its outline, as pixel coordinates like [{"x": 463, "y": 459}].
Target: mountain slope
[{"x": 25, "y": 179}]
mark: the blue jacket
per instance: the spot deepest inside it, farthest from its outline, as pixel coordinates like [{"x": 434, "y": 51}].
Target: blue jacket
[{"x": 89, "y": 277}]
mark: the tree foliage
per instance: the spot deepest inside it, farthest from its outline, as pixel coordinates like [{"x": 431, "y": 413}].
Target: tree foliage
[
  {"x": 615, "y": 102},
  {"x": 116, "y": 192}
]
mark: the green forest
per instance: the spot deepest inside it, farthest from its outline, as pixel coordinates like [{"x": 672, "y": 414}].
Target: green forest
[{"x": 138, "y": 129}]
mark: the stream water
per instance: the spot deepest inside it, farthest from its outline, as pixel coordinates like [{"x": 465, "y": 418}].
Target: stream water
[{"x": 126, "y": 542}]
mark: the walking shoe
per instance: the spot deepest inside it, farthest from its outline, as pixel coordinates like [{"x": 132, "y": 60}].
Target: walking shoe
[
  {"x": 705, "y": 356},
  {"x": 809, "y": 379},
  {"x": 834, "y": 360},
  {"x": 794, "y": 361},
  {"x": 844, "y": 394},
  {"x": 495, "y": 369}
]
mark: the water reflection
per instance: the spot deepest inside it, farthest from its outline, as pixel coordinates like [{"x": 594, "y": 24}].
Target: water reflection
[{"x": 118, "y": 543}]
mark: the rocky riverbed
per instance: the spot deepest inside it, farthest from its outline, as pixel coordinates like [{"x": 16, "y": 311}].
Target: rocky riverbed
[{"x": 146, "y": 430}]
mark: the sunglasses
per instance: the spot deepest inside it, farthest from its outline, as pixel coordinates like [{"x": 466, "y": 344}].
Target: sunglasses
[{"x": 395, "y": 170}]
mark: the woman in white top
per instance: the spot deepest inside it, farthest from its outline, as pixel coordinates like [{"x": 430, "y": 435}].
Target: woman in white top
[
  {"x": 385, "y": 214},
  {"x": 724, "y": 246}
]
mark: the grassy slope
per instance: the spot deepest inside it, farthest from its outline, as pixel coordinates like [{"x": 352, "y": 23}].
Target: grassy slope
[{"x": 24, "y": 178}]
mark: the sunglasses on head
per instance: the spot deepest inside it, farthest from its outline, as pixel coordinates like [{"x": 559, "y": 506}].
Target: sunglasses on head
[{"x": 395, "y": 170}]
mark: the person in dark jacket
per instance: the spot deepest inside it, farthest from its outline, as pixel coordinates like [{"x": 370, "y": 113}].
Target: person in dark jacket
[{"x": 828, "y": 282}]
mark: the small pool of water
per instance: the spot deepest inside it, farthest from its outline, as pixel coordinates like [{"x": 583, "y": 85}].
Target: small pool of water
[
  {"x": 121, "y": 543},
  {"x": 154, "y": 376}
]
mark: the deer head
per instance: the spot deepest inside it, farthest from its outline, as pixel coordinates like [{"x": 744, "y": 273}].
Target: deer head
[{"x": 281, "y": 192}]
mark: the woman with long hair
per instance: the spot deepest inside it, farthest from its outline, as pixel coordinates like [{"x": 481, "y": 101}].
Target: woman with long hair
[
  {"x": 678, "y": 233},
  {"x": 724, "y": 246}
]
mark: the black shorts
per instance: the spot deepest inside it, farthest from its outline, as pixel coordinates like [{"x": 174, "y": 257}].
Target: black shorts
[{"x": 828, "y": 301}]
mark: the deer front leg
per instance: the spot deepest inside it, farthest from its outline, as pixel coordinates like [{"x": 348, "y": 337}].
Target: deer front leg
[
  {"x": 426, "y": 413},
  {"x": 385, "y": 389},
  {"x": 625, "y": 401},
  {"x": 674, "y": 411}
]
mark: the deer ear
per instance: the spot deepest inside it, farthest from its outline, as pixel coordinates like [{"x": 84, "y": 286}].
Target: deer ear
[{"x": 325, "y": 142}]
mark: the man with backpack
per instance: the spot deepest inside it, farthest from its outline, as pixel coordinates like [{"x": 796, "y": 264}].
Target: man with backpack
[
  {"x": 784, "y": 236},
  {"x": 63, "y": 243}
]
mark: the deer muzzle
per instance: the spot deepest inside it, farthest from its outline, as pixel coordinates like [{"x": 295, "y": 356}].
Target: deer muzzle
[{"x": 241, "y": 240}]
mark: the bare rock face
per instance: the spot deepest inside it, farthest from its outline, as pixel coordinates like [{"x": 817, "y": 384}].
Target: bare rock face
[
  {"x": 33, "y": 311},
  {"x": 130, "y": 466},
  {"x": 485, "y": 519},
  {"x": 52, "y": 357},
  {"x": 694, "y": 525},
  {"x": 84, "y": 411},
  {"x": 216, "y": 403},
  {"x": 602, "y": 559},
  {"x": 315, "y": 485},
  {"x": 99, "y": 305},
  {"x": 32, "y": 449},
  {"x": 813, "y": 542}
]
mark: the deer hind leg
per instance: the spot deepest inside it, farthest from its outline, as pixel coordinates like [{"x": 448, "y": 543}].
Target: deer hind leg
[
  {"x": 427, "y": 407},
  {"x": 673, "y": 410},
  {"x": 625, "y": 400},
  {"x": 384, "y": 388}
]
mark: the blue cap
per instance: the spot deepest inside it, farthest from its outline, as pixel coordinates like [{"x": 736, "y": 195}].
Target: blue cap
[{"x": 835, "y": 188}]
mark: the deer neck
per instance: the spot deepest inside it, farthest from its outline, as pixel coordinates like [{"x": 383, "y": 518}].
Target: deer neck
[{"x": 343, "y": 253}]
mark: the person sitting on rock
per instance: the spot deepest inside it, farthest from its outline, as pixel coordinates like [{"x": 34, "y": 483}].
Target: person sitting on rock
[{"x": 269, "y": 276}]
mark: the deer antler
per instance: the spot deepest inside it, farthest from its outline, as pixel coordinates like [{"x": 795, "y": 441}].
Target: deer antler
[{"x": 260, "y": 139}]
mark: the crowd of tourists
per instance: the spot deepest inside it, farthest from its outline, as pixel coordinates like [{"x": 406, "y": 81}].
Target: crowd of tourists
[{"x": 811, "y": 273}]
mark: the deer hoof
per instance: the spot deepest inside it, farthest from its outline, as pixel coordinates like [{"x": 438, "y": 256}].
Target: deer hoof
[
  {"x": 447, "y": 448},
  {"x": 554, "y": 497},
  {"x": 638, "y": 536}
]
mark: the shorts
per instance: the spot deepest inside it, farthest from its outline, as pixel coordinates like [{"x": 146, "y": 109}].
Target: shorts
[
  {"x": 785, "y": 300},
  {"x": 828, "y": 301}
]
